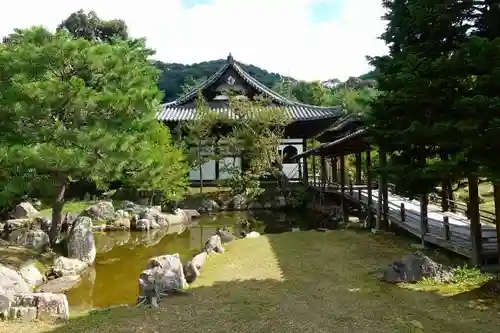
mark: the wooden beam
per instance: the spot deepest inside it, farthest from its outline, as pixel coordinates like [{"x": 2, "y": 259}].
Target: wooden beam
[
  {"x": 475, "y": 223},
  {"x": 343, "y": 201},
  {"x": 369, "y": 180}
]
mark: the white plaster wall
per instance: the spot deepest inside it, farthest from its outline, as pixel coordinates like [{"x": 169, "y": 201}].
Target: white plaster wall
[{"x": 227, "y": 162}]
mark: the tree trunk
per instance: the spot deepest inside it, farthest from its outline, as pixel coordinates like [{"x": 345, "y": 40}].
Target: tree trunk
[
  {"x": 496, "y": 195},
  {"x": 475, "y": 223},
  {"x": 57, "y": 206}
]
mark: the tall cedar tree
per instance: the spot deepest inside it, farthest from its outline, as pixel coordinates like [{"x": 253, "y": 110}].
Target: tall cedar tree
[
  {"x": 411, "y": 117},
  {"x": 73, "y": 108},
  {"x": 482, "y": 57}
]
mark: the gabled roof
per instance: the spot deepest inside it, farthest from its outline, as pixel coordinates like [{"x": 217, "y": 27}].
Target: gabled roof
[{"x": 178, "y": 110}]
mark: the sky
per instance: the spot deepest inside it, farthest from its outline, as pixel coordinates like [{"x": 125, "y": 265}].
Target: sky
[{"x": 305, "y": 39}]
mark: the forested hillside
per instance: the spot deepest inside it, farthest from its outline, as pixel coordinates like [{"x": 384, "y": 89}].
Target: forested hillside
[{"x": 176, "y": 78}]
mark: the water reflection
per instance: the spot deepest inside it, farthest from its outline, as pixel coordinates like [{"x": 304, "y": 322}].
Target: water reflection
[{"x": 121, "y": 256}]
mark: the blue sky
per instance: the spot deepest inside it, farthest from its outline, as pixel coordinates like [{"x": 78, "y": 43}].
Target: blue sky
[{"x": 307, "y": 39}]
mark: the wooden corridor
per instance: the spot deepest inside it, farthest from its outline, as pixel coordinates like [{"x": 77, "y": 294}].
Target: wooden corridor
[{"x": 447, "y": 230}]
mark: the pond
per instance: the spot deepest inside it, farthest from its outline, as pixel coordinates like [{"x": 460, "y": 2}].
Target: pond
[{"x": 121, "y": 256}]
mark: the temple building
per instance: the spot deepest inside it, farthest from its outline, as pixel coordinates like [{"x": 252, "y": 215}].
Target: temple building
[{"x": 306, "y": 120}]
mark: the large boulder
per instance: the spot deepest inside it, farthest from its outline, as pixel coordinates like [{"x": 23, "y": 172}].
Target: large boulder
[
  {"x": 163, "y": 275},
  {"x": 66, "y": 266},
  {"x": 193, "y": 267},
  {"x": 16, "y": 224},
  {"x": 225, "y": 235},
  {"x": 60, "y": 285},
  {"x": 32, "y": 239},
  {"x": 101, "y": 211},
  {"x": 414, "y": 267},
  {"x": 31, "y": 274},
  {"x": 24, "y": 210},
  {"x": 208, "y": 206},
  {"x": 81, "y": 244},
  {"x": 37, "y": 306},
  {"x": 213, "y": 244},
  {"x": 43, "y": 223},
  {"x": 120, "y": 221},
  {"x": 11, "y": 281}
]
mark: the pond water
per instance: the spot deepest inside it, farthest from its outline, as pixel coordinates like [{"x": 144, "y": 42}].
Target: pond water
[{"x": 121, "y": 256}]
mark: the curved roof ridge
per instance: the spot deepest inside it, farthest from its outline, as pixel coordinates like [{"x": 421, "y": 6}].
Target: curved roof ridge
[
  {"x": 250, "y": 80},
  {"x": 269, "y": 91},
  {"x": 200, "y": 86}
]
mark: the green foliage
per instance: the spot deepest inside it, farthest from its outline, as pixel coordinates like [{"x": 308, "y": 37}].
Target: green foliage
[
  {"x": 91, "y": 27},
  {"x": 75, "y": 108},
  {"x": 253, "y": 130},
  {"x": 470, "y": 275},
  {"x": 415, "y": 117}
]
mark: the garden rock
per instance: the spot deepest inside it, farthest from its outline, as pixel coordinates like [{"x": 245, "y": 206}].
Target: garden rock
[
  {"x": 16, "y": 224},
  {"x": 413, "y": 268},
  {"x": 164, "y": 274},
  {"x": 81, "y": 244},
  {"x": 142, "y": 225},
  {"x": 225, "y": 235},
  {"x": 208, "y": 206},
  {"x": 35, "y": 239},
  {"x": 193, "y": 267},
  {"x": 11, "y": 281},
  {"x": 121, "y": 221},
  {"x": 24, "y": 210},
  {"x": 214, "y": 244},
  {"x": 43, "y": 223},
  {"x": 31, "y": 274},
  {"x": 65, "y": 266},
  {"x": 103, "y": 210},
  {"x": 239, "y": 202},
  {"x": 60, "y": 285},
  {"x": 131, "y": 207},
  {"x": 39, "y": 306}
]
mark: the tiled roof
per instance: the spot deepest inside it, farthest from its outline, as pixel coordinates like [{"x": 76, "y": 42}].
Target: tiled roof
[{"x": 176, "y": 111}]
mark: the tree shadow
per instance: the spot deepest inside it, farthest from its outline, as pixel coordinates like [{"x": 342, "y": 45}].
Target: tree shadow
[{"x": 297, "y": 282}]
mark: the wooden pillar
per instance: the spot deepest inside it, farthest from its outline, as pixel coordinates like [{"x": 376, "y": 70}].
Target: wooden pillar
[
  {"x": 475, "y": 223},
  {"x": 384, "y": 189},
  {"x": 424, "y": 221},
  {"x": 343, "y": 201},
  {"x": 304, "y": 163},
  {"x": 334, "y": 170},
  {"x": 359, "y": 168},
  {"x": 496, "y": 196},
  {"x": 323, "y": 172},
  {"x": 379, "y": 224},
  {"x": 314, "y": 169},
  {"x": 369, "y": 185}
]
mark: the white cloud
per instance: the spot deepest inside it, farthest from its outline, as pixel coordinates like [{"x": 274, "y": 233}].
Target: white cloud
[{"x": 277, "y": 35}]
